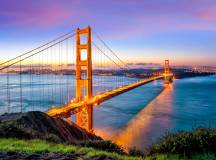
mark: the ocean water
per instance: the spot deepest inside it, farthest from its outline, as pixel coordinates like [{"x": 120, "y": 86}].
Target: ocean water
[
  {"x": 136, "y": 118},
  {"x": 42, "y": 92},
  {"x": 140, "y": 117}
]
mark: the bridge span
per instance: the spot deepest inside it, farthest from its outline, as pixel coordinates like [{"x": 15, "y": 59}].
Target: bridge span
[
  {"x": 69, "y": 109},
  {"x": 74, "y": 53}
]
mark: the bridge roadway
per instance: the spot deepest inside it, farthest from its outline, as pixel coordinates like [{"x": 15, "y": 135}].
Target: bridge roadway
[{"x": 69, "y": 109}]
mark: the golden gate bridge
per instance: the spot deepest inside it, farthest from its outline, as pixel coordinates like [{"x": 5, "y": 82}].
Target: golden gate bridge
[{"x": 68, "y": 76}]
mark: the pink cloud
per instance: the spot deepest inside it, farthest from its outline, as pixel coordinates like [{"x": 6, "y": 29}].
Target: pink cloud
[
  {"x": 208, "y": 15},
  {"x": 44, "y": 17},
  {"x": 35, "y": 16},
  {"x": 118, "y": 19}
]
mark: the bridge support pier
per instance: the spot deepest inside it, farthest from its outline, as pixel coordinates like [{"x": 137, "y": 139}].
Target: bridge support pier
[
  {"x": 84, "y": 118},
  {"x": 168, "y": 80}
]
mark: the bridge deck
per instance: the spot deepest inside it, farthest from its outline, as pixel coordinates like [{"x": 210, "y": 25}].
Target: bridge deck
[{"x": 75, "y": 107}]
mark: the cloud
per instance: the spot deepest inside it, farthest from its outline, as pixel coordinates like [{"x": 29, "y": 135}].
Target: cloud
[
  {"x": 144, "y": 65},
  {"x": 208, "y": 15},
  {"x": 115, "y": 19},
  {"x": 136, "y": 23},
  {"x": 119, "y": 20},
  {"x": 32, "y": 14}
]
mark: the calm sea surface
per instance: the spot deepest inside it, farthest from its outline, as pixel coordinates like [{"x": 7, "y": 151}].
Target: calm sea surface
[
  {"x": 136, "y": 118},
  {"x": 141, "y": 116}
]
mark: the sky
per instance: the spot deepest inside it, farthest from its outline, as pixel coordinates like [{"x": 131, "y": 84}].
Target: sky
[{"x": 139, "y": 31}]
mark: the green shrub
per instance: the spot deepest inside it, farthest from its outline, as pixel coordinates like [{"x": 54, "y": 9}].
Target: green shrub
[
  {"x": 42, "y": 147},
  {"x": 135, "y": 152},
  {"x": 104, "y": 145},
  {"x": 200, "y": 140}
]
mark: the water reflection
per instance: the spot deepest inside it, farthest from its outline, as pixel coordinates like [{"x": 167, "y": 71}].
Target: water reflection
[
  {"x": 149, "y": 124},
  {"x": 187, "y": 104},
  {"x": 114, "y": 114}
]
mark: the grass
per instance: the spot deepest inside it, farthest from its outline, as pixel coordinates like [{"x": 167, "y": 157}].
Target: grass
[
  {"x": 34, "y": 146},
  {"x": 41, "y": 146}
]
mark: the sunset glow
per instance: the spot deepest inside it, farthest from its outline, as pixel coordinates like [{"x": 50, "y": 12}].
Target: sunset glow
[{"x": 139, "y": 31}]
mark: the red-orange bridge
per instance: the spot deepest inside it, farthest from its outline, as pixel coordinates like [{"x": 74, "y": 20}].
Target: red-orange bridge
[{"x": 73, "y": 54}]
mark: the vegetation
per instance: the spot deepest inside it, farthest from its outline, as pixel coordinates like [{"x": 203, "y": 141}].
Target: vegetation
[
  {"x": 104, "y": 145},
  {"x": 135, "y": 152},
  {"x": 200, "y": 140},
  {"x": 41, "y": 146},
  {"x": 62, "y": 140}
]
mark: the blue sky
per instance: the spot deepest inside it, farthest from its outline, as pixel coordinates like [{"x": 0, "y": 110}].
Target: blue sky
[{"x": 183, "y": 31}]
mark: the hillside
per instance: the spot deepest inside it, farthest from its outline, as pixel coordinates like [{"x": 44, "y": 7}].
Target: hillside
[
  {"x": 35, "y": 135},
  {"x": 38, "y": 149},
  {"x": 38, "y": 125}
]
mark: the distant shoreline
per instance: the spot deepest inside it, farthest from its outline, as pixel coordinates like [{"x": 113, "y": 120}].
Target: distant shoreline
[{"x": 134, "y": 73}]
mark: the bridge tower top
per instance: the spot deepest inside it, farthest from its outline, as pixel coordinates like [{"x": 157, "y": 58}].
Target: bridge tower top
[{"x": 83, "y": 64}]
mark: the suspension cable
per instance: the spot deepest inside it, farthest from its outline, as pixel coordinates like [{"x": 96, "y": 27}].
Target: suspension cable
[
  {"x": 107, "y": 55},
  {"x": 60, "y": 37},
  {"x": 111, "y": 50},
  {"x": 37, "y": 52}
]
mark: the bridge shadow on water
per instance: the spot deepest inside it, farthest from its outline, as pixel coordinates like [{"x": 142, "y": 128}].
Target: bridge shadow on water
[
  {"x": 149, "y": 124},
  {"x": 134, "y": 119}
]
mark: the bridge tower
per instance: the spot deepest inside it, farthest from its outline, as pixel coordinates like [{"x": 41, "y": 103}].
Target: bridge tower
[
  {"x": 166, "y": 67},
  {"x": 84, "y": 118},
  {"x": 168, "y": 76}
]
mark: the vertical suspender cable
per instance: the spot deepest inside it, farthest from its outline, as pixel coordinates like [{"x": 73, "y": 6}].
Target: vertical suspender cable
[
  {"x": 8, "y": 92},
  {"x": 21, "y": 102},
  {"x": 67, "y": 70}
]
